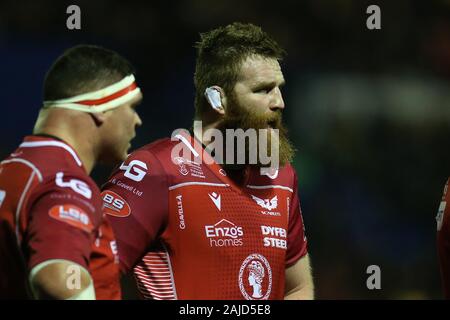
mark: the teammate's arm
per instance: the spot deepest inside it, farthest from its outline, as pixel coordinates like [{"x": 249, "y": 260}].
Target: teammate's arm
[
  {"x": 136, "y": 228},
  {"x": 61, "y": 279},
  {"x": 60, "y": 233},
  {"x": 299, "y": 283}
]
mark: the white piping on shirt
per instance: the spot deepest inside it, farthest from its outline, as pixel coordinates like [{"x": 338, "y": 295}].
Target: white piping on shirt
[
  {"x": 28, "y": 163},
  {"x": 270, "y": 187},
  {"x": 19, "y": 206},
  {"x": 52, "y": 144},
  {"x": 197, "y": 183}
]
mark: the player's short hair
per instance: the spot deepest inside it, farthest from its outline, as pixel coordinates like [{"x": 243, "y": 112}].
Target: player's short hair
[
  {"x": 220, "y": 53},
  {"x": 82, "y": 69}
]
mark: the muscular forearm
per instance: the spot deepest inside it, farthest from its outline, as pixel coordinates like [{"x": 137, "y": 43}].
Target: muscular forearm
[
  {"x": 299, "y": 281},
  {"x": 54, "y": 281}
]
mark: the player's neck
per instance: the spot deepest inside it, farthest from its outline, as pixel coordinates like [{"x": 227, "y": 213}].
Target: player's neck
[
  {"x": 81, "y": 140},
  {"x": 83, "y": 150},
  {"x": 239, "y": 175},
  {"x": 236, "y": 172},
  {"x": 203, "y": 134}
]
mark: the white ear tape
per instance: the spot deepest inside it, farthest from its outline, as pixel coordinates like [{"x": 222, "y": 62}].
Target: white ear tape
[{"x": 213, "y": 96}]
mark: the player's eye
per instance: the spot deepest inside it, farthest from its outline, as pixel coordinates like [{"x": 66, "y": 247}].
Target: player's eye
[{"x": 264, "y": 90}]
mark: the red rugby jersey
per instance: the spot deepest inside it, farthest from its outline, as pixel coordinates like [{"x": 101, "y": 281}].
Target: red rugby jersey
[
  {"x": 51, "y": 209},
  {"x": 189, "y": 232}
]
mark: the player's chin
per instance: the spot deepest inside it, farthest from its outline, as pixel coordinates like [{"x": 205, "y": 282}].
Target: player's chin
[{"x": 115, "y": 157}]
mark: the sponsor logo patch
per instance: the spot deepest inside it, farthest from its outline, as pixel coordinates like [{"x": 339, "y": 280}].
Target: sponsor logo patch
[
  {"x": 135, "y": 170},
  {"x": 215, "y": 199},
  {"x": 187, "y": 166},
  {"x": 224, "y": 234},
  {"x": 182, "y": 223},
  {"x": 76, "y": 185},
  {"x": 72, "y": 215},
  {"x": 115, "y": 205},
  {"x": 274, "y": 237}
]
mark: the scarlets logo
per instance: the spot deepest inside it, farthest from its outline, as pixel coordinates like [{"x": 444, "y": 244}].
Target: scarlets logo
[
  {"x": 72, "y": 215},
  {"x": 266, "y": 203}
]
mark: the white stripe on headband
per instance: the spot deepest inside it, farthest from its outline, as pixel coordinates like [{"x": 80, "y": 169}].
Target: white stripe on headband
[{"x": 101, "y": 100}]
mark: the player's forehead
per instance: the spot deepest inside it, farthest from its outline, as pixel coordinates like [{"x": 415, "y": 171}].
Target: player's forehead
[
  {"x": 137, "y": 99},
  {"x": 257, "y": 69}
]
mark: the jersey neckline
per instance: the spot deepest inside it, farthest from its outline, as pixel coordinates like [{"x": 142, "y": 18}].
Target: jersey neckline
[{"x": 44, "y": 140}]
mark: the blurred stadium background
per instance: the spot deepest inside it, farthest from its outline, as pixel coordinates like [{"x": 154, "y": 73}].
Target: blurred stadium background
[{"x": 369, "y": 112}]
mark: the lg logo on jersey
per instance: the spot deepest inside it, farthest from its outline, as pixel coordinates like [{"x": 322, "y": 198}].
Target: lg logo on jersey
[
  {"x": 135, "y": 170},
  {"x": 76, "y": 185}
]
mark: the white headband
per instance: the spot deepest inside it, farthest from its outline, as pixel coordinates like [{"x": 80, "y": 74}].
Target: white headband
[{"x": 100, "y": 100}]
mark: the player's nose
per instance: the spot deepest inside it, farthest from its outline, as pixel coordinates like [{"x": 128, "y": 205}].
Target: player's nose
[
  {"x": 138, "y": 120},
  {"x": 277, "y": 102}
]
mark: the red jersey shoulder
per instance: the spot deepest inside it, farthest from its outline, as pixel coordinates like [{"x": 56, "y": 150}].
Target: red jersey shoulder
[
  {"x": 134, "y": 178},
  {"x": 61, "y": 176},
  {"x": 47, "y": 155},
  {"x": 55, "y": 163},
  {"x": 177, "y": 159},
  {"x": 69, "y": 197},
  {"x": 142, "y": 162},
  {"x": 160, "y": 146},
  {"x": 155, "y": 153}
]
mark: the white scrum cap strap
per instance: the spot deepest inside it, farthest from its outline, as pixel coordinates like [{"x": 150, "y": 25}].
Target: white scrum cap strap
[{"x": 101, "y": 100}]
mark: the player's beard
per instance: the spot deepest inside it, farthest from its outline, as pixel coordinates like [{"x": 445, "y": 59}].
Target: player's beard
[{"x": 238, "y": 117}]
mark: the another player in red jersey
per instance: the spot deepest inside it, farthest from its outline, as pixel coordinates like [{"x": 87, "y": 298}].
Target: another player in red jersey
[
  {"x": 443, "y": 240},
  {"x": 54, "y": 241},
  {"x": 191, "y": 227}
]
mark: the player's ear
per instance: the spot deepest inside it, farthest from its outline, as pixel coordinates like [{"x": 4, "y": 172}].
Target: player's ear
[
  {"x": 216, "y": 98},
  {"x": 99, "y": 118}
]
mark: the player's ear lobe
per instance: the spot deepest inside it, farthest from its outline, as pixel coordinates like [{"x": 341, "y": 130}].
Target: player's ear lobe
[
  {"x": 216, "y": 99},
  {"x": 98, "y": 117}
]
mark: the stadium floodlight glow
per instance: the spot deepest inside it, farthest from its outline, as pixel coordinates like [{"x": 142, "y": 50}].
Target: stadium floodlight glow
[{"x": 101, "y": 100}]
